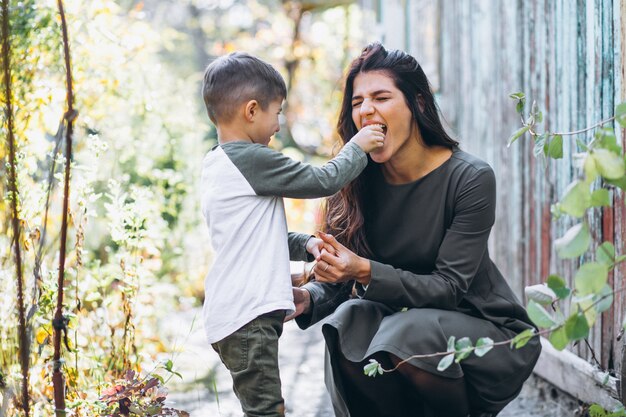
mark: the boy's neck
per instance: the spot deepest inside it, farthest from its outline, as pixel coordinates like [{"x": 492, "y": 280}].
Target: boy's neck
[{"x": 231, "y": 132}]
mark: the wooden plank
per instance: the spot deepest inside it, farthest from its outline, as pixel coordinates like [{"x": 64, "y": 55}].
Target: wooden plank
[
  {"x": 569, "y": 57},
  {"x": 424, "y": 38},
  {"x": 576, "y": 377},
  {"x": 618, "y": 199},
  {"x": 394, "y": 23}
]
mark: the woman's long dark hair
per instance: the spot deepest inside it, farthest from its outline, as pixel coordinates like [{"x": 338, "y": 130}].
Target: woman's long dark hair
[{"x": 344, "y": 210}]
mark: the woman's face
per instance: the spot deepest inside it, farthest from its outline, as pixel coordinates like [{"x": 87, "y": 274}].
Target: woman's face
[{"x": 376, "y": 100}]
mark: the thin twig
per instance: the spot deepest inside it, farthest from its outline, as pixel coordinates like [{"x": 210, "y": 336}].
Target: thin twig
[
  {"x": 13, "y": 192},
  {"x": 59, "y": 319},
  {"x": 600, "y": 123},
  {"x": 576, "y": 132},
  {"x": 504, "y": 342}
]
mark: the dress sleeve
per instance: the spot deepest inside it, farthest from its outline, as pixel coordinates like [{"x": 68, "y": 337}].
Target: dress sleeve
[
  {"x": 325, "y": 298},
  {"x": 271, "y": 173},
  {"x": 459, "y": 257}
]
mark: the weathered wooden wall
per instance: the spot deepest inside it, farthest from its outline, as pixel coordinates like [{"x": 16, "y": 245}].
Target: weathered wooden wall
[{"x": 567, "y": 55}]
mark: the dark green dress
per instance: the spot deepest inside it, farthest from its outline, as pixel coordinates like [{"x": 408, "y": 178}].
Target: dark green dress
[{"x": 429, "y": 243}]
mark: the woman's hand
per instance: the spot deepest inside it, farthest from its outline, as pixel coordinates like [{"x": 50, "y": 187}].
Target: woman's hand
[
  {"x": 302, "y": 300},
  {"x": 342, "y": 265}
]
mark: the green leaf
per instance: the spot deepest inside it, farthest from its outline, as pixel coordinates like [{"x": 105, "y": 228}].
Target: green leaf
[
  {"x": 624, "y": 323},
  {"x": 601, "y": 198},
  {"x": 606, "y": 297},
  {"x": 583, "y": 147},
  {"x": 451, "y": 344},
  {"x": 610, "y": 165},
  {"x": 373, "y": 368},
  {"x": 606, "y": 254},
  {"x": 590, "y": 167},
  {"x": 577, "y": 199},
  {"x": 539, "y": 315},
  {"x": 483, "y": 345},
  {"x": 585, "y": 303},
  {"x": 557, "y": 284},
  {"x": 576, "y": 327},
  {"x": 463, "y": 348},
  {"x": 620, "y": 114},
  {"x": 521, "y": 101},
  {"x": 539, "y": 117},
  {"x": 591, "y": 277},
  {"x": 522, "y": 338},
  {"x": 620, "y": 258},
  {"x": 555, "y": 147},
  {"x": 539, "y": 147},
  {"x": 541, "y": 294},
  {"x": 574, "y": 243},
  {"x": 517, "y": 134},
  {"x": 605, "y": 138},
  {"x": 559, "y": 339},
  {"x": 620, "y": 182},
  {"x": 445, "y": 362}
]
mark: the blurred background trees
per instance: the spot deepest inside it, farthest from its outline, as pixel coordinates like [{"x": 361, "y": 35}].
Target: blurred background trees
[{"x": 137, "y": 248}]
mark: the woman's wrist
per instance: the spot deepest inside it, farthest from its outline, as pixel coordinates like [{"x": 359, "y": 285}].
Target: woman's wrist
[{"x": 364, "y": 271}]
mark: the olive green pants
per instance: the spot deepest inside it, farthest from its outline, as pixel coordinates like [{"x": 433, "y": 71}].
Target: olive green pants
[{"x": 251, "y": 356}]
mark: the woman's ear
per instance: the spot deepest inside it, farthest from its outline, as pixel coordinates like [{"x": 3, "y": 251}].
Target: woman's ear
[{"x": 251, "y": 109}]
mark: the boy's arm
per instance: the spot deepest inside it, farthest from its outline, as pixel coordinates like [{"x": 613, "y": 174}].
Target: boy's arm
[
  {"x": 270, "y": 173},
  {"x": 297, "y": 247}
]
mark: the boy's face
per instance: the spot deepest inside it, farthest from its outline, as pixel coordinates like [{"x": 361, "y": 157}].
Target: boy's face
[{"x": 267, "y": 122}]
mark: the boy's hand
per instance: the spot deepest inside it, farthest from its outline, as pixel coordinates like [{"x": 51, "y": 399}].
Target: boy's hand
[
  {"x": 370, "y": 138},
  {"x": 314, "y": 246},
  {"x": 302, "y": 300}
]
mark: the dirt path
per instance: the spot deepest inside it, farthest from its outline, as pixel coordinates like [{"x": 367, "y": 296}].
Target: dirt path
[{"x": 206, "y": 388}]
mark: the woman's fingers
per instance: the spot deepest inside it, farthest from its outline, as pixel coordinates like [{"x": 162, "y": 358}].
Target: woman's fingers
[{"x": 330, "y": 239}]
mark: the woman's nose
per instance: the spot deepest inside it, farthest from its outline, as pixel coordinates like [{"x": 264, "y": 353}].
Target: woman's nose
[{"x": 366, "y": 107}]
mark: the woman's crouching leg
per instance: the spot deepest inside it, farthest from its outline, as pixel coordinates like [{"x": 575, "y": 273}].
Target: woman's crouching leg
[
  {"x": 386, "y": 395},
  {"x": 447, "y": 397}
]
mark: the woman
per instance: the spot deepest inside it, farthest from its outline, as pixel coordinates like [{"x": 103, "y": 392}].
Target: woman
[{"x": 411, "y": 234}]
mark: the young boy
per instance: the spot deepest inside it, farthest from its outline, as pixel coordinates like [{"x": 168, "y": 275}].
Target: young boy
[{"x": 248, "y": 290}]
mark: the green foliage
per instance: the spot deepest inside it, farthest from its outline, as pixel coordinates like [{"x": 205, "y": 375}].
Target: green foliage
[
  {"x": 603, "y": 163},
  {"x": 574, "y": 242},
  {"x": 539, "y": 315},
  {"x": 133, "y": 125},
  {"x": 461, "y": 349},
  {"x": 557, "y": 284},
  {"x": 597, "y": 411},
  {"x": 521, "y": 339},
  {"x": 373, "y": 368},
  {"x": 137, "y": 248}
]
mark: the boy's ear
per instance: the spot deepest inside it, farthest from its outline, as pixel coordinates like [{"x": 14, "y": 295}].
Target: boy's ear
[{"x": 251, "y": 109}]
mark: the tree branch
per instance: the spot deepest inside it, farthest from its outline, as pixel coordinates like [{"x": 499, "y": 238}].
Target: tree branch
[
  {"x": 13, "y": 193},
  {"x": 59, "y": 321}
]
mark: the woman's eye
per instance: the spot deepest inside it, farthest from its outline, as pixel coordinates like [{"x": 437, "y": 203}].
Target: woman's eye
[
  {"x": 356, "y": 104},
  {"x": 382, "y": 99}
]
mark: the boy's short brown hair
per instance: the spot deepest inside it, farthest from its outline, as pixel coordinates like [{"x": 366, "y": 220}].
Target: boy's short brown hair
[{"x": 237, "y": 78}]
